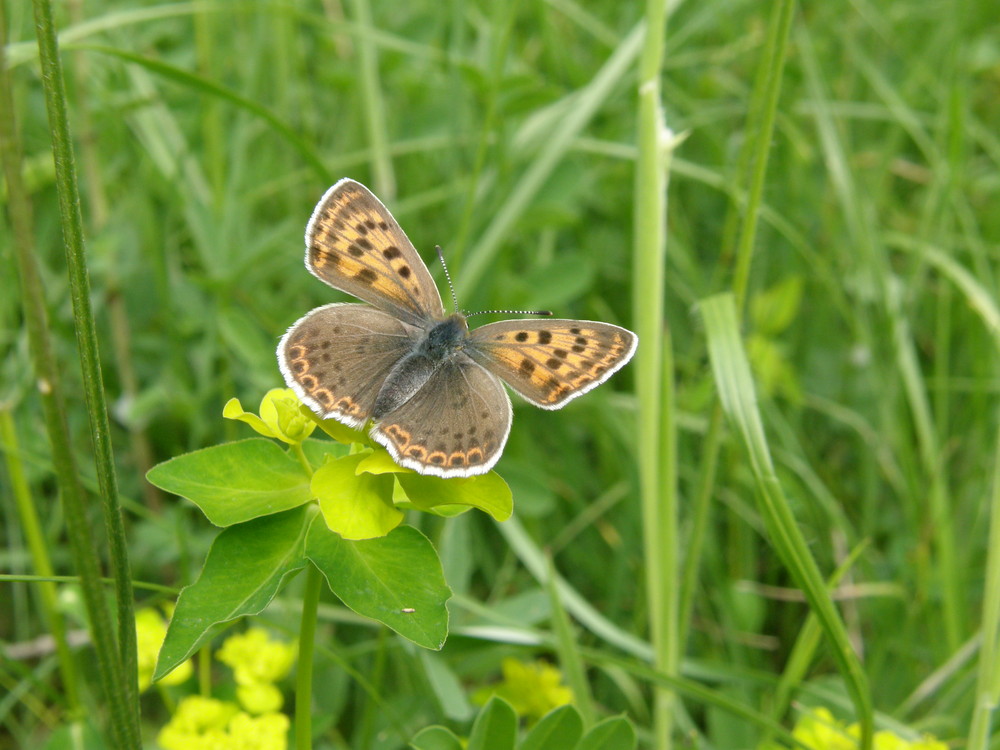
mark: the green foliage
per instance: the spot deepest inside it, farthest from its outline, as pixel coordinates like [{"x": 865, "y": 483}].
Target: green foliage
[
  {"x": 561, "y": 729},
  {"x": 507, "y": 133}
]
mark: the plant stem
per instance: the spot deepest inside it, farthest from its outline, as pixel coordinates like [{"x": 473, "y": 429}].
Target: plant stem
[
  {"x": 304, "y": 670},
  {"x": 121, "y": 703},
  {"x": 988, "y": 684},
  {"x": 40, "y": 560},
  {"x": 654, "y": 376},
  {"x": 86, "y": 337}
]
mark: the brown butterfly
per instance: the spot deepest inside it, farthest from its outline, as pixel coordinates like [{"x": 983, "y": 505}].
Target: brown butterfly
[{"x": 429, "y": 384}]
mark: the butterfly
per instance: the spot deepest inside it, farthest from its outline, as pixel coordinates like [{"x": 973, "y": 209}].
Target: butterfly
[{"x": 430, "y": 385}]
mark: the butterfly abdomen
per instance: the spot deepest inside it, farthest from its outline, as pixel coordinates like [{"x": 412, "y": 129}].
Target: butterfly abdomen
[{"x": 442, "y": 342}]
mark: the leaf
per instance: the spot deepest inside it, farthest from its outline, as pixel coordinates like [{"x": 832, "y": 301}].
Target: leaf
[
  {"x": 435, "y": 738},
  {"x": 337, "y": 430},
  {"x": 317, "y": 449},
  {"x": 355, "y": 506},
  {"x": 235, "y": 482},
  {"x": 244, "y": 570},
  {"x": 395, "y": 579},
  {"x": 446, "y": 686},
  {"x": 616, "y": 733},
  {"x": 775, "y": 308},
  {"x": 560, "y": 728},
  {"x": 488, "y": 492},
  {"x": 495, "y": 728},
  {"x": 378, "y": 461},
  {"x": 234, "y": 410}
]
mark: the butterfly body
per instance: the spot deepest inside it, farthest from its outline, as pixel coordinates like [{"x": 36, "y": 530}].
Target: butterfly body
[
  {"x": 442, "y": 342},
  {"x": 430, "y": 385}
]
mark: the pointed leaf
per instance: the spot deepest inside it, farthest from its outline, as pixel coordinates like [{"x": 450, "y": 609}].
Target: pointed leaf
[
  {"x": 436, "y": 738},
  {"x": 560, "y": 728},
  {"x": 488, "y": 492},
  {"x": 356, "y": 506},
  {"x": 338, "y": 431},
  {"x": 378, "y": 461},
  {"x": 244, "y": 570},
  {"x": 616, "y": 733},
  {"x": 317, "y": 450},
  {"x": 235, "y": 482},
  {"x": 395, "y": 579},
  {"x": 495, "y": 728},
  {"x": 234, "y": 410}
]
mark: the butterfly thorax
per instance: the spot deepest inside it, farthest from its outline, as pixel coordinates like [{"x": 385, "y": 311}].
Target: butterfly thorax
[{"x": 442, "y": 341}]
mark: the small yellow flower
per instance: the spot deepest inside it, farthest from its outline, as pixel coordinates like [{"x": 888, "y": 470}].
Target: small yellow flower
[
  {"x": 150, "y": 630},
  {"x": 281, "y": 416},
  {"x": 209, "y": 724},
  {"x": 198, "y": 724},
  {"x": 820, "y": 731},
  {"x": 257, "y": 662},
  {"x": 267, "y": 732},
  {"x": 532, "y": 688},
  {"x": 259, "y": 697}
]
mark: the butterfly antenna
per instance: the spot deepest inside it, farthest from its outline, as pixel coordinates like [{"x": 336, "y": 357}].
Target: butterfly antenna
[
  {"x": 543, "y": 313},
  {"x": 447, "y": 275}
]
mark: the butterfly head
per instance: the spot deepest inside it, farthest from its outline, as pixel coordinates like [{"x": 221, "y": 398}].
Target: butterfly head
[{"x": 445, "y": 337}]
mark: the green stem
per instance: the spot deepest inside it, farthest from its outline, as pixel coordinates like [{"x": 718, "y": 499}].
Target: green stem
[
  {"x": 374, "y": 102},
  {"x": 121, "y": 702},
  {"x": 304, "y": 670},
  {"x": 775, "y": 54},
  {"x": 86, "y": 336},
  {"x": 32, "y": 530},
  {"x": 988, "y": 684},
  {"x": 657, "y": 475}
]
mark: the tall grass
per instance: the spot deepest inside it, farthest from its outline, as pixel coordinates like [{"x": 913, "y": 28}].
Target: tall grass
[{"x": 844, "y": 151}]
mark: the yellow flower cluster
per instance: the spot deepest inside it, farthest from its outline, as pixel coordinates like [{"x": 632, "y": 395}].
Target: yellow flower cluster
[
  {"x": 820, "y": 731},
  {"x": 257, "y": 663},
  {"x": 532, "y": 688},
  {"x": 281, "y": 416},
  {"x": 255, "y": 723},
  {"x": 210, "y": 724},
  {"x": 150, "y": 630}
]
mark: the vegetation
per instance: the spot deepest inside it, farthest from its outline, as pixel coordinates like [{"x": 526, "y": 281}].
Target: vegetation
[{"x": 779, "y": 526}]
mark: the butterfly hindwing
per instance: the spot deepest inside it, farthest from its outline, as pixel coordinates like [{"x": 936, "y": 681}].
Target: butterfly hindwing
[
  {"x": 354, "y": 245},
  {"x": 550, "y": 362},
  {"x": 337, "y": 357},
  {"x": 455, "y": 426}
]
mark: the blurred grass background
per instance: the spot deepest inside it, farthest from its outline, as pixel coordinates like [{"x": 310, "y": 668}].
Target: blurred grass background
[{"x": 505, "y": 132}]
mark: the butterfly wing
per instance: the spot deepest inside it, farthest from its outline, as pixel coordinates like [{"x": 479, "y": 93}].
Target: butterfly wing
[
  {"x": 354, "y": 245},
  {"x": 551, "y": 362},
  {"x": 455, "y": 426},
  {"x": 337, "y": 357}
]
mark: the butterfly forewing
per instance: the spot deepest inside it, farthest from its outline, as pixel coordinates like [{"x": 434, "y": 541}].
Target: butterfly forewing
[
  {"x": 354, "y": 245},
  {"x": 550, "y": 362},
  {"x": 455, "y": 426},
  {"x": 337, "y": 357}
]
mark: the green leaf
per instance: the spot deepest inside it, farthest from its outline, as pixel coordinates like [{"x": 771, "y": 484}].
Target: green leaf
[
  {"x": 436, "y": 738},
  {"x": 395, "y": 579},
  {"x": 317, "y": 450},
  {"x": 356, "y": 506},
  {"x": 775, "y": 308},
  {"x": 235, "y": 482},
  {"x": 488, "y": 492},
  {"x": 560, "y": 728},
  {"x": 446, "y": 686},
  {"x": 378, "y": 461},
  {"x": 495, "y": 728},
  {"x": 337, "y": 430},
  {"x": 234, "y": 410},
  {"x": 244, "y": 570},
  {"x": 616, "y": 733}
]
